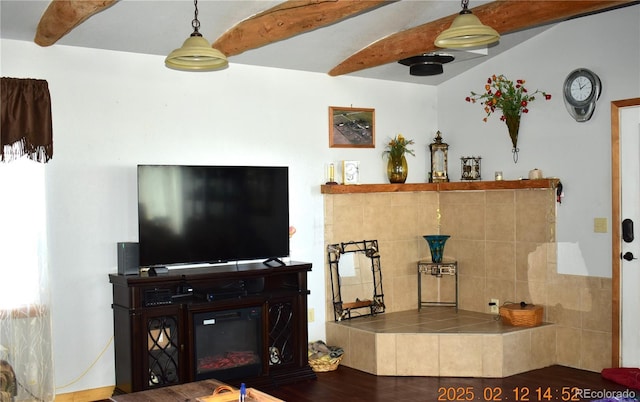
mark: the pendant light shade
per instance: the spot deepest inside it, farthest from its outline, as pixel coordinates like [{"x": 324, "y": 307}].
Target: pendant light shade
[
  {"x": 466, "y": 30},
  {"x": 196, "y": 54}
]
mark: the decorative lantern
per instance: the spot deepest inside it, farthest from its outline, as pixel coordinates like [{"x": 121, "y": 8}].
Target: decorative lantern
[
  {"x": 470, "y": 167},
  {"x": 439, "y": 151}
]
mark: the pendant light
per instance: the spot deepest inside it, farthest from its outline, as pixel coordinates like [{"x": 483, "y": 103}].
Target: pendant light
[
  {"x": 466, "y": 30},
  {"x": 196, "y": 54}
]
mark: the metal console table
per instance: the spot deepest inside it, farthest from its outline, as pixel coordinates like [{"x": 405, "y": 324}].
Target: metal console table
[{"x": 438, "y": 270}]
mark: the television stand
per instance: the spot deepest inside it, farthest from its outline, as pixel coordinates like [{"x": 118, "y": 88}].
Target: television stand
[
  {"x": 156, "y": 324},
  {"x": 270, "y": 262}
]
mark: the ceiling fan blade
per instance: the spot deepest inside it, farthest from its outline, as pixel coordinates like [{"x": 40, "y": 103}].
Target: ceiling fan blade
[
  {"x": 63, "y": 15},
  {"x": 289, "y": 19},
  {"x": 503, "y": 16}
]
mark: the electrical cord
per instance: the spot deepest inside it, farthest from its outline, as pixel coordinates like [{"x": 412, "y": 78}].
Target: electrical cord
[{"x": 88, "y": 368}]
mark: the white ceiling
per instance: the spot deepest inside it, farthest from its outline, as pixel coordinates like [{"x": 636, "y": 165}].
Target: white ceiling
[{"x": 157, "y": 27}]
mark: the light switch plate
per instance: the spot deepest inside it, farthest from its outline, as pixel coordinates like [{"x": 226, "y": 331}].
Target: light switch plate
[{"x": 600, "y": 225}]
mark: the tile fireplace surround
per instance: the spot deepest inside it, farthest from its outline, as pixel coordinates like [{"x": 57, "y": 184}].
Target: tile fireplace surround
[{"x": 503, "y": 237}]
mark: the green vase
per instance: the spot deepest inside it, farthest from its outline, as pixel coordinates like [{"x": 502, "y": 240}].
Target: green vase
[{"x": 397, "y": 169}]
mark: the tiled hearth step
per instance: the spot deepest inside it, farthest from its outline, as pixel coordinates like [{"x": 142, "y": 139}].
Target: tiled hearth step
[{"x": 440, "y": 341}]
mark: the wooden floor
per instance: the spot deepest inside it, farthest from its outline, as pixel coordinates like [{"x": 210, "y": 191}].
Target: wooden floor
[{"x": 555, "y": 383}]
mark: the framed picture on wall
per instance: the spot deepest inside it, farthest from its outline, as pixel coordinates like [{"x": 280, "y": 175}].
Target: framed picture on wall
[{"x": 351, "y": 127}]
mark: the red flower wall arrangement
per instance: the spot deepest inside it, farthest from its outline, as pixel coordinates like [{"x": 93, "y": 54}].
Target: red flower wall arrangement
[{"x": 511, "y": 98}]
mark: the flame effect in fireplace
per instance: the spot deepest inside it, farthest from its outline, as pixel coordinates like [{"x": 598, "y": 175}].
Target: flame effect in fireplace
[{"x": 227, "y": 361}]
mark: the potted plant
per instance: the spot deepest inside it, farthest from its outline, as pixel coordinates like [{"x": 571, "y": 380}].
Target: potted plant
[{"x": 397, "y": 168}]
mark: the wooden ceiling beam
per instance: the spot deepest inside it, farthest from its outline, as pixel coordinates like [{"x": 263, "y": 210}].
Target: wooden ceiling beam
[
  {"x": 289, "y": 19},
  {"x": 503, "y": 16},
  {"x": 61, "y": 16}
]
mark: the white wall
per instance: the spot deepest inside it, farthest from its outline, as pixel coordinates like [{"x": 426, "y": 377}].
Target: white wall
[
  {"x": 550, "y": 140},
  {"x": 112, "y": 111}
]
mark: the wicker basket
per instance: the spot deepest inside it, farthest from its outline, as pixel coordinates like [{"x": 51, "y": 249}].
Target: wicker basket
[
  {"x": 325, "y": 363},
  {"x": 528, "y": 316}
]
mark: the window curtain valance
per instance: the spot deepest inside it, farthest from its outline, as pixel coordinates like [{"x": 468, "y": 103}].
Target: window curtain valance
[{"x": 25, "y": 126}]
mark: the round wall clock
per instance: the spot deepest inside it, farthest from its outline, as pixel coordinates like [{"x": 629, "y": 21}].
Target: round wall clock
[{"x": 582, "y": 89}]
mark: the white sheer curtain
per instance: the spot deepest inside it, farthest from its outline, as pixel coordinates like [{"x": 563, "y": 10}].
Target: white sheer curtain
[{"x": 25, "y": 321}]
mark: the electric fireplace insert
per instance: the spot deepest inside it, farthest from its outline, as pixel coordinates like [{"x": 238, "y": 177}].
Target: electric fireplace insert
[{"x": 228, "y": 343}]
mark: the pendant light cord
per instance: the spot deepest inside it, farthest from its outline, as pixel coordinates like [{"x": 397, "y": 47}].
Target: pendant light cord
[
  {"x": 465, "y": 7},
  {"x": 196, "y": 23}
]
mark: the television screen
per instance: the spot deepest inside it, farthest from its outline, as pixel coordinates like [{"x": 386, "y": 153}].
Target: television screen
[{"x": 212, "y": 214}]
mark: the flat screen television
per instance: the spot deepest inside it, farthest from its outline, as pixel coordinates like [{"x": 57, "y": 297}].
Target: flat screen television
[{"x": 212, "y": 214}]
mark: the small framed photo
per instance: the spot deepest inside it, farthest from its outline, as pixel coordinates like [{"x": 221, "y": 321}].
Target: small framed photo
[
  {"x": 471, "y": 168},
  {"x": 351, "y": 127},
  {"x": 350, "y": 172}
]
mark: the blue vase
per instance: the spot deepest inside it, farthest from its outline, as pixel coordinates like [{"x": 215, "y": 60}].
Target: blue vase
[{"x": 436, "y": 245}]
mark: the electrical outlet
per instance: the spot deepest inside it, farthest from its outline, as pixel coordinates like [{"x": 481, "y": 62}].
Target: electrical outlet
[
  {"x": 311, "y": 315},
  {"x": 494, "y": 305}
]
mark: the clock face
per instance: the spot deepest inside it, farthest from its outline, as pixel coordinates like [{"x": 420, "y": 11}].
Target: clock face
[{"x": 581, "y": 88}]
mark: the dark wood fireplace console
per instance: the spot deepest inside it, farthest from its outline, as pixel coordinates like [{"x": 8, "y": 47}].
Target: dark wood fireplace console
[{"x": 155, "y": 331}]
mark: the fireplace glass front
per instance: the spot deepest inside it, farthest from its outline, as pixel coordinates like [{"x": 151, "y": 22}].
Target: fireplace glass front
[{"x": 228, "y": 344}]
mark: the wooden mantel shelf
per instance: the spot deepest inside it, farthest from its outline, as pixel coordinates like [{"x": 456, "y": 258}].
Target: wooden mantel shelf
[{"x": 451, "y": 186}]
